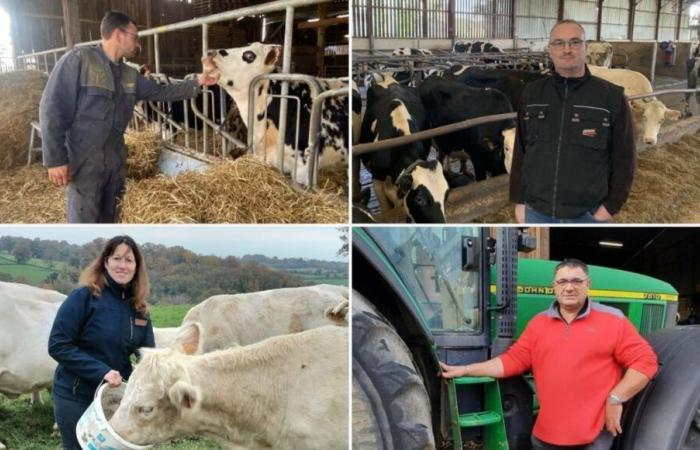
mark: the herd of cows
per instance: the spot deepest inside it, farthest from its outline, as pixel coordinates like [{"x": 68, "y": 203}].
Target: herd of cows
[
  {"x": 246, "y": 364},
  {"x": 396, "y": 105}
]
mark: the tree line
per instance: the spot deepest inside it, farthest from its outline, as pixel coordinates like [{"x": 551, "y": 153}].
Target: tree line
[{"x": 177, "y": 275}]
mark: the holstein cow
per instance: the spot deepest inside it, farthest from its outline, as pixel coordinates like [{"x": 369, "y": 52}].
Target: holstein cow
[
  {"x": 224, "y": 321},
  {"x": 693, "y": 81},
  {"x": 649, "y": 113},
  {"x": 510, "y": 82},
  {"x": 448, "y": 102},
  {"x": 287, "y": 392},
  {"x": 401, "y": 176},
  {"x": 238, "y": 67},
  {"x": 599, "y": 54}
]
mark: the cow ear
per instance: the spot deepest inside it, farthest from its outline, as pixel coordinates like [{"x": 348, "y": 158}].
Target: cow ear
[
  {"x": 272, "y": 55},
  {"x": 189, "y": 338},
  {"x": 185, "y": 396},
  {"x": 404, "y": 185},
  {"x": 672, "y": 114}
]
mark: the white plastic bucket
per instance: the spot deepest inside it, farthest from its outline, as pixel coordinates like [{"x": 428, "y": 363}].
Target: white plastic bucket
[{"x": 93, "y": 429}]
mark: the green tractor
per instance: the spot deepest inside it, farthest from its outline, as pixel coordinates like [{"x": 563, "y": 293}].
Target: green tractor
[{"x": 423, "y": 294}]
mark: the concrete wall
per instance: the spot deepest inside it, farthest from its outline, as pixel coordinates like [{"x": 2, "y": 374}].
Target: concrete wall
[{"x": 641, "y": 53}]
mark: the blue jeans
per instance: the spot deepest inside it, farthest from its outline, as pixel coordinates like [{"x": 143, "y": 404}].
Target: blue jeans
[
  {"x": 532, "y": 216},
  {"x": 67, "y": 413},
  {"x": 602, "y": 442}
]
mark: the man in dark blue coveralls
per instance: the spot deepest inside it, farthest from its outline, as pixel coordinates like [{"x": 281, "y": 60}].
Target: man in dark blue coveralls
[{"x": 85, "y": 109}]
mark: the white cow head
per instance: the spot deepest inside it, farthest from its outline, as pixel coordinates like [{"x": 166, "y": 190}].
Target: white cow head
[
  {"x": 649, "y": 114},
  {"x": 508, "y": 146},
  {"x": 423, "y": 188},
  {"x": 159, "y": 400},
  {"x": 238, "y": 66},
  {"x": 599, "y": 54}
]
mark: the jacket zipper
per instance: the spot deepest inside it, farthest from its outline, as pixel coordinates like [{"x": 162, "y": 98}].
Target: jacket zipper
[
  {"x": 131, "y": 328},
  {"x": 556, "y": 167}
]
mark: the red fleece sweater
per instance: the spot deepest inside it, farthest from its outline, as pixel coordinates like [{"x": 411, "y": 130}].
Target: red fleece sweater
[{"x": 575, "y": 367}]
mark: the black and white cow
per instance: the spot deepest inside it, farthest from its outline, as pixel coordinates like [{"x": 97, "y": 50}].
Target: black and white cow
[
  {"x": 475, "y": 47},
  {"x": 448, "y": 101},
  {"x": 401, "y": 176},
  {"x": 693, "y": 79},
  {"x": 238, "y": 67},
  {"x": 510, "y": 82}
]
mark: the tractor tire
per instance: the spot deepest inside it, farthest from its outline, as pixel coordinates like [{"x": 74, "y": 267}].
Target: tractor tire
[
  {"x": 390, "y": 406},
  {"x": 666, "y": 415},
  {"x": 516, "y": 396}
]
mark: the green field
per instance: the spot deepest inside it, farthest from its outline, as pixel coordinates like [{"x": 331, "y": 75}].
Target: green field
[
  {"x": 28, "y": 427},
  {"x": 34, "y": 271},
  {"x": 320, "y": 279}
]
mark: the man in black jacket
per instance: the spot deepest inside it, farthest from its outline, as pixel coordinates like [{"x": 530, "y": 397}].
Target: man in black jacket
[{"x": 574, "y": 157}]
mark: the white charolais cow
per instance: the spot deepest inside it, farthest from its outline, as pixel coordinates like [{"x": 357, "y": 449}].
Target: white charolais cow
[
  {"x": 599, "y": 54},
  {"x": 27, "y": 314},
  {"x": 287, "y": 392},
  {"x": 649, "y": 113},
  {"x": 508, "y": 147},
  {"x": 238, "y": 67},
  {"x": 224, "y": 321}
]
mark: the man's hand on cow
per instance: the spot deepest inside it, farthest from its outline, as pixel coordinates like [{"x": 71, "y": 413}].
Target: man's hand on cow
[
  {"x": 60, "y": 176},
  {"x": 520, "y": 213},
  {"x": 602, "y": 214},
  {"x": 208, "y": 78},
  {"x": 613, "y": 416},
  {"x": 113, "y": 378}
]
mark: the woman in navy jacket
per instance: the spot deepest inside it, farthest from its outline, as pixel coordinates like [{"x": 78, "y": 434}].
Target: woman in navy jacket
[{"x": 97, "y": 329}]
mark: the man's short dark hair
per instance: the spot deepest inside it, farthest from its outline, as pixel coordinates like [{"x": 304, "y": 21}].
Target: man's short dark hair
[
  {"x": 113, "y": 20},
  {"x": 572, "y": 21},
  {"x": 571, "y": 263}
]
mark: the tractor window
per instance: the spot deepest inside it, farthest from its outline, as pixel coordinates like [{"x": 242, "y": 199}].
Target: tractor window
[{"x": 429, "y": 260}]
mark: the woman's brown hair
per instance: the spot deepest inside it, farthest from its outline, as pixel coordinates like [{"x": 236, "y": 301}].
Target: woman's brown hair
[{"x": 94, "y": 276}]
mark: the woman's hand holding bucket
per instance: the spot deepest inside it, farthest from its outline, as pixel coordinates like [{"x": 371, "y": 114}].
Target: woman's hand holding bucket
[{"x": 113, "y": 378}]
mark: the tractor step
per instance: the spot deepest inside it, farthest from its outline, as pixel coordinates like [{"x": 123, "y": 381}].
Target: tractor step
[{"x": 479, "y": 419}]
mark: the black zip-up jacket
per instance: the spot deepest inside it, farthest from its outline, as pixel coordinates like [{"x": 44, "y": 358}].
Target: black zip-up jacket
[
  {"x": 574, "y": 147},
  {"x": 92, "y": 335}
]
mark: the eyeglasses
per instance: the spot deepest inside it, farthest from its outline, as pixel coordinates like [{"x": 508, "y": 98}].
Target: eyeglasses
[
  {"x": 135, "y": 35},
  {"x": 559, "y": 44},
  {"x": 572, "y": 281}
]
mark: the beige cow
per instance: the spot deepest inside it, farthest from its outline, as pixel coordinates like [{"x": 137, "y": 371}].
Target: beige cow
[
  {"x": 599, "y": 54},
  {"x": 287, "y": 392},
  {"x": 224, "y": 321},
  {"x": 649, "y": 113}
]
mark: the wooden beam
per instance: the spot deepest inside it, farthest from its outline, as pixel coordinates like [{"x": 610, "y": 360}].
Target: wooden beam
[
  {"x": 678, "y": 22},
  {"x": 658, "y": 19},
  {"x": 630, "y": 20},
  {"x": 451, "y": 22},
  {"x": 599, "y": 25},
  {"x": 321, "y": 40},
  {"x": 370, "y": 25},
  {"x": 149, "y": 39},
  {"x": 323, "y": 23},
  {"x": 560, "y": 10},
  {"x": 71, "y": 22}
]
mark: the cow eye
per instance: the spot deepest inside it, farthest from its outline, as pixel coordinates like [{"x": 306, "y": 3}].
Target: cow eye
[
  {"x": 249, "y": 56},
  {"x": 144, "y": 410}
]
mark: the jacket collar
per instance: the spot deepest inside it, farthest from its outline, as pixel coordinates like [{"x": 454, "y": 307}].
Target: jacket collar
[
  {"x": 553, "y": 310},
  {"x": 105, "y": 58},
  {"x": 120, "y": 290},
  {"x": 572, "y": 82}
]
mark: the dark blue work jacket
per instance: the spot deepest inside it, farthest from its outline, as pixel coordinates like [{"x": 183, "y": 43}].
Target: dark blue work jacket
[
  {"x": 93, "y": 335},
  {"x": 86, "y": 107}
]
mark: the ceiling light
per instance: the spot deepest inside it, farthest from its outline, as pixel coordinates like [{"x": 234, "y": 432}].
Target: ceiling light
[
  {"x": 611, "y": 244},
  {"x": 342, "y": 16},
  {"x": 314, "y": 20}
]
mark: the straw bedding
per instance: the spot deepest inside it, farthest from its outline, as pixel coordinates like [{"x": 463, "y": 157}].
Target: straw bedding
[
  {"x": 666, "y": 187},
  {"x": 144, "y": 151},
  {"x": 20, "y": 94}
]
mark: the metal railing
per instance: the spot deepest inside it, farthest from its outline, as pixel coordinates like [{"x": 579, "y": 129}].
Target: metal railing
[
  {"x": 33, "y": 60},
  {"x": 393, "y": 143}
]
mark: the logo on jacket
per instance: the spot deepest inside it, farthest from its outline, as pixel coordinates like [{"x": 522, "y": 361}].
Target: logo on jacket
[{"x": 590, "y": 132}]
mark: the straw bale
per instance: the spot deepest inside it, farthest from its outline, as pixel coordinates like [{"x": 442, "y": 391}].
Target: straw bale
[
  {"x": 20, "y": 94},
  {"x": 240, "y": 191},
  {"x": 28, "y": 196},
  {"x": 144, "y": 151}
]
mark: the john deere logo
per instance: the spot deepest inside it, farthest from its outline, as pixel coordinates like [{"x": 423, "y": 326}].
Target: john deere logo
[{"x": 540, "y": 290}]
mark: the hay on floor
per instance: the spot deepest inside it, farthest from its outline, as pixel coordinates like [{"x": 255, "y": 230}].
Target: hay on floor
[
  {"x": 144, "y": 151},
  {"x": 240, "y": 191},
  {"x": 20, "y": 94},
  {"x": 28, "y": 196}
]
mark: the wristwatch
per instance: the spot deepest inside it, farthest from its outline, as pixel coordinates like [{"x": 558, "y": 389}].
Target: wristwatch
[{"x": 615, "y": 400}]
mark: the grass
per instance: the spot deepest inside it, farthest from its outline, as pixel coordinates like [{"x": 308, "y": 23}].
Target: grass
[
  {"x": 168, "y": 315},
  {"x": 34, "y": 271},
  {"x": 322, "y": 279}
]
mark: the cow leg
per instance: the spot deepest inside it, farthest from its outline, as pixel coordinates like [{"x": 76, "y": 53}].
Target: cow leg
[
  {"x": 55, "y": 432},
  {"x": 36, "y": 398}
]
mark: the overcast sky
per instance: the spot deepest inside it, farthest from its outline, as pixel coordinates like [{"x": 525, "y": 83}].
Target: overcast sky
[{"x": 317, "y": 242}]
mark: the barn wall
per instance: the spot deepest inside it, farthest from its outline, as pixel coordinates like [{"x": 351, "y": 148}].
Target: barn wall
[
  {"x": 615, "y": 20},
  {"x": 585, "y": 12},
  {"x": 640, "y": 57}
]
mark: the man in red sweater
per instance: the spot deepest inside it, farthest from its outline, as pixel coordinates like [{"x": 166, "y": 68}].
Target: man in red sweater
[{"x": 587, "y": 360}]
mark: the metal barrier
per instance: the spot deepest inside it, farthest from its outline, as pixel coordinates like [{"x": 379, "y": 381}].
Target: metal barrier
[{"x": 392, "y": 143}]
